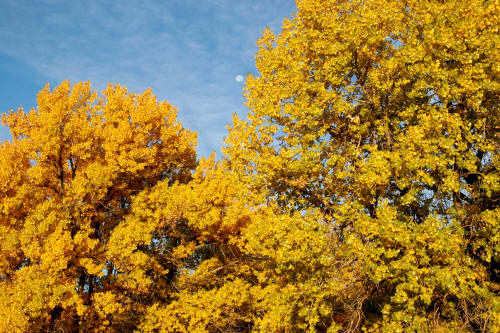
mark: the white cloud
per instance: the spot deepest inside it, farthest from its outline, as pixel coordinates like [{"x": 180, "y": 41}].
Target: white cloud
[{"x": 186, "y": 51}]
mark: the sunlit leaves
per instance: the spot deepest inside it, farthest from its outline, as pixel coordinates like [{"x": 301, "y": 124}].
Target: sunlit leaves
[
  {"x": 381, "y": 116},
  {"x": 360, "y": 194},
  {"x": 66, "y": 183}
]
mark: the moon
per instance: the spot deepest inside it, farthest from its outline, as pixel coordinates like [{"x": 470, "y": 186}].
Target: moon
[{"x": 239, "y": 78}]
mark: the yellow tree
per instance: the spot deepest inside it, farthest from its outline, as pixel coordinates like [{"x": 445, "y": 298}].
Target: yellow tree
[
  {"x": 66, "y": 183},
  {"x": 361, "y": 194},
  {"x": 382, "y": 117}
]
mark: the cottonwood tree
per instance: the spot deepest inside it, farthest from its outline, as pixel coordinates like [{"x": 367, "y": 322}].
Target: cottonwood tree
[
  {"x": 382, "y": 117},
  {"x": 67, "y": 180}
]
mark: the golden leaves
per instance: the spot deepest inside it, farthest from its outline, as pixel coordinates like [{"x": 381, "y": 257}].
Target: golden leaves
[
  {"x": 370, "y": 114},
  {"x": 66, "y": 184},
  {"x": 360, "y": 194}
]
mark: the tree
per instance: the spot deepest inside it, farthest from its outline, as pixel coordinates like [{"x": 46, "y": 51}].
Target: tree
[
  {"x": 360, "y": 195},
  {"x": 382, "y": 117},
  {"x": 66, "y": 184}
]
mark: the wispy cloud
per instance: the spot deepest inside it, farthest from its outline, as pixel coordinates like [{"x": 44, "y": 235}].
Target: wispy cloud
[{"x": 189, "y": 52}]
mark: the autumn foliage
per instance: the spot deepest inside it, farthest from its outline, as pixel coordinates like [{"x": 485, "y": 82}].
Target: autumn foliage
[{"x": 360, "y": 194}]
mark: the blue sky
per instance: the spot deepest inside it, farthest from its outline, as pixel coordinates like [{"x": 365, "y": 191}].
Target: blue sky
[{"x": 189, "y": 52}]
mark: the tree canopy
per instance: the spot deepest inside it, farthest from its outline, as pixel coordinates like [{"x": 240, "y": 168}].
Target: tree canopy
[
  {"x": 360, "y": 194},
  {"x": 67, "y": 182},
  {"x": 382, "y": 117}
]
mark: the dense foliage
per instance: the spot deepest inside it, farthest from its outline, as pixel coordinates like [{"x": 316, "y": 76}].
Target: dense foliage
[
  {"x": 66, "y": 185},
  {"x": 361, "y": 194}
]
